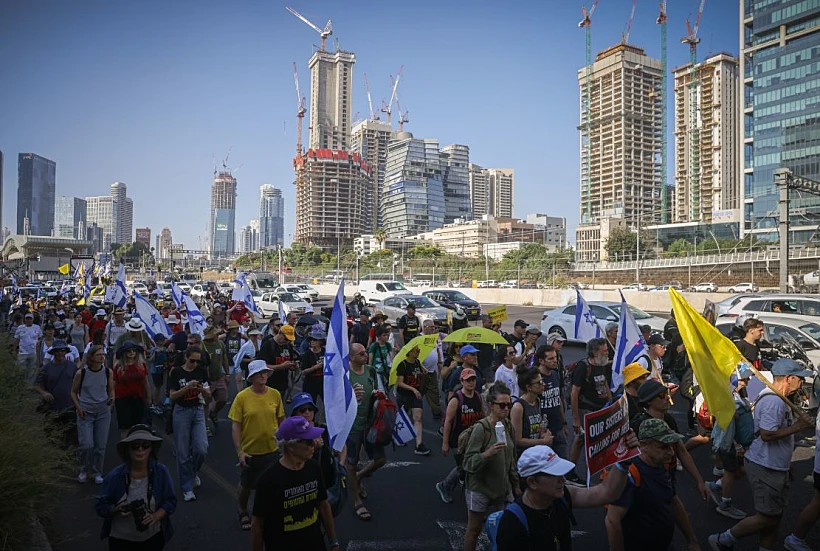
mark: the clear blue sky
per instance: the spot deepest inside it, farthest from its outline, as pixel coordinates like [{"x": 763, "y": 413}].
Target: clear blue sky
[{"x": 147, "y": 92}]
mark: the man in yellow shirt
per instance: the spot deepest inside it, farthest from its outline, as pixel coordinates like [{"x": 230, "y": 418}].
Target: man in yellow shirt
[{"x": 256, "y": 414}]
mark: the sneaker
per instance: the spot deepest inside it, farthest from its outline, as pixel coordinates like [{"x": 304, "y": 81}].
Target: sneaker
[
  {"x": 728, "y": 510},
  {"x": 197, "y": 481},
  {"x": 715, "y": 491},
  {"x": 421, "y": 449},
  {"x": 82, "y": 478},
  {"x": 445, "y": 497},
  {"x": 715, "y": 544},
  {"x": 793, "y": 543},
  {"x": 573, "y": 478},
  {"x": 679, "y": 467},
  {"x": 717, "y": 472},
  {"x": 99, "y": 479},
  {"x": 441, "y": 431},
  {"x": 189, "y": 496}
]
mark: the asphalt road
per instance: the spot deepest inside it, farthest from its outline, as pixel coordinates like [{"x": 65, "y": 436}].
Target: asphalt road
[{"x": 407, "y": 512}]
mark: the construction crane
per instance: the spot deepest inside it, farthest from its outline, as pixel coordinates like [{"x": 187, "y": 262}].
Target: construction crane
[
  {"x": 300, "y": 111},
  {"x": 394, "y": 84},
  {"x": 625, "y": 36},
  {"x": 403, "y": 117},
  {"x": 374, "y": 115},
  {"x": 324, "y": 33},
  {"x": 692, "y": 40},
  {"x": 664, "y": 195},
  {"x": 586, "y": 24}
]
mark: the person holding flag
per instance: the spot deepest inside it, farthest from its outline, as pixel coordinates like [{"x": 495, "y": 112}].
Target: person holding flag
[
  {"x": 586, "y": 326},
  {"x": 629, "y": 346}
]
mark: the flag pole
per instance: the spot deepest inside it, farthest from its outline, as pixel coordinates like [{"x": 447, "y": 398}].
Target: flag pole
[{"x": 766, "y": 382}]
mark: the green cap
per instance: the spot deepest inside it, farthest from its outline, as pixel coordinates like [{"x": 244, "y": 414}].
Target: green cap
[{"x": 657, "y": 429}]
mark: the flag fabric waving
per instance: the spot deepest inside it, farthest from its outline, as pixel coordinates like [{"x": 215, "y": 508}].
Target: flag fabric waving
[
  {"x": 630, "y": 344},
  {"x": 586, "y": 326},
  {"x": 13, "y": 284},
  {"x": 116, "y": 293},
  {"x": 177, "y": 294},
  {"x": 64, "y": 269},
  {"x": 65, "y": 289},
  {"x": 153, "y": 320},
  {"x": 713, "y": 357},
  {"x": 282, "y": 315},
  {"x": 196, "y": 321},
  {"x": 404, "y": 432},
  {"x": 242, "y": 293},
  {"x": 340, "y": 401}
]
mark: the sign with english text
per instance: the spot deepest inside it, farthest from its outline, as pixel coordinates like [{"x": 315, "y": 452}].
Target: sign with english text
[{"x": 605, "y": 442}]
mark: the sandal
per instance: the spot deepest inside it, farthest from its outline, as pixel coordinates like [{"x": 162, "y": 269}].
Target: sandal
[
  {"x": 244, "y": 521},
  {"x": 362, "y": 512}
]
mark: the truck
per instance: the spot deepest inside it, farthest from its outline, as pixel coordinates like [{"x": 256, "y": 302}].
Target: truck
[
  {"x": 262, "y": 281},
  {"x": 806, "y": 283}
]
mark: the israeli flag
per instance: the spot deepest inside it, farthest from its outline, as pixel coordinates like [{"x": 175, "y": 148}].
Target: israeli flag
[
  {"x": 107, "y": 271},
  {"x": 586, "y": 326},
  {"x": 65, "y": 289},
  {"x": 78, "y": 271},
  {"x": 153, "y": 320},
  {"x": 241, "y": 278},
  {"x": 177, "y": 294},
  {"x": 282, "y": 315},
  {"x": 339, "y": 399},
  {"x": 117, "y": 294},
  {"x": 630, "y": 344},
  {"x": 87, "y": 280},
  {"x": 404, "y": 432},
  {"x": 243, "y": 294},
  {"x": 196, "y": 321},
  {"x": 13, "y": 284}
]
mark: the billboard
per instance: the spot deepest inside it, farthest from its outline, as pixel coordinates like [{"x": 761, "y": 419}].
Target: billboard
[{"x": 144, "y": 236}]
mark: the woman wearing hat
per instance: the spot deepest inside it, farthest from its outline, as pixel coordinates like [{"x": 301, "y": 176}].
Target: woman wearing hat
[
  {"x": 305, "y": 406},
  {"x": 137, "y": 497},
  {"x": 312, "y": 364},
  {"x": 131, "y": 387}
]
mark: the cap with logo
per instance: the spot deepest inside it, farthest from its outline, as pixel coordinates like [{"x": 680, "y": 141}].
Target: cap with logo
[
  {"x": 466, "y": 373},
  {"x": 520, "y": 323},
  {"x": 542, "y": 460},
  {"x": 552, "y": 337},
  {"x": 298, "y": 428},
  {"x": 300, "y": 400}
]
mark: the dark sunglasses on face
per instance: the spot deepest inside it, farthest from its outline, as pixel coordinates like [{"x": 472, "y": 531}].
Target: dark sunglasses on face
[
  {"x": 140, "y": 445},
  {"x": 503, "y": 405}
]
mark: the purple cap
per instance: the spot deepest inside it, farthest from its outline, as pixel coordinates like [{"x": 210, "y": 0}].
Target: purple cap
[{"x": 298, "y": 428}]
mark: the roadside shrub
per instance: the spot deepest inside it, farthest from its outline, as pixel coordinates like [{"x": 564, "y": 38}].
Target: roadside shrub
[{"x": 32, "y": 463}]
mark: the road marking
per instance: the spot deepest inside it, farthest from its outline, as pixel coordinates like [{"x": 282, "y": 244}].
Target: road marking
[
  {"x": 394, "y": 464},
  {"x": 395, "y": 545}
]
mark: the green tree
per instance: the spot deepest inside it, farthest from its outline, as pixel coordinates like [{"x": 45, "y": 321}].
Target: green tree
[
  {"x": 680, "y": 247},
  {"x": 623, "y": 242},
  {"x": 380, "y": 235},
  {"x": 425, "y": 251}
]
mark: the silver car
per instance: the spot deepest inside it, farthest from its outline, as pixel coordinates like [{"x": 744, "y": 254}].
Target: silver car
[
  {"x": 562, "y": 319},
  {"x": 395, "y": 307}
]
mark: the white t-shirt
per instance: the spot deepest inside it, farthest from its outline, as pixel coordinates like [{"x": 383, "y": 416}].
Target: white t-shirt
[
  {"x": 71, "y": 356},
  {"x": 430, "y": 363},
  {"x": 28, "y": 337},
  {"x": 655, "y": 367},
  {"x": 509, "y": 378}
]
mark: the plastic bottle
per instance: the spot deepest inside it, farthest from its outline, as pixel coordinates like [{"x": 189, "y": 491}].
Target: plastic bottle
[{"x": 500, "y": 432}]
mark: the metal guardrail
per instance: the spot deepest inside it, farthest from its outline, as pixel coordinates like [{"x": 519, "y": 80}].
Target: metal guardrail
[{"x": 704, "y": 260}]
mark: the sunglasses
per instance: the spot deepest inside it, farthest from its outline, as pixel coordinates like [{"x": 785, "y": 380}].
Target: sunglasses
[
  {"x": 140, "y": 445},
  {"x": 503, "y": 405},
  {"x": 304, "y": 409},
  {"x": 469, "y": 380}
]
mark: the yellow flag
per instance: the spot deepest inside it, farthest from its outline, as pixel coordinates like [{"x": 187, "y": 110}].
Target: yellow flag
[
  {"x": 714, "y": 358},
  {"x": 64, "y": 269}
]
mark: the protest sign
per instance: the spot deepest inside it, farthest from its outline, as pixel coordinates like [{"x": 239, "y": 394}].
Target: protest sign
[
  {"x": 605, "y": 431},
  {"x": 498, "y": 314}
]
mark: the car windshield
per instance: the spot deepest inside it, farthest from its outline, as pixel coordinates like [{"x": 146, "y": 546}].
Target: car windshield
[
  {"x": 423, "y": 302},
  {"x": 394, "y": 286},
  {"x": 637, "y": 314},
  {"x": 266, "y": 282},
  {"x": 303, "y": 287},
  {"x": 289, "y": 297},
  {"x": 48, "y": 289},
  {"x": 457, "y": 295},
  {"x": 255, "y": 293},
  {"x": 812, "y": 330}
]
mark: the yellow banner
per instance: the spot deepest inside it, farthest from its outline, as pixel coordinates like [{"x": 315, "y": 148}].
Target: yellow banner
[
  {"x": 498, "y": 314},
  {"x": 64, "y": 269}
]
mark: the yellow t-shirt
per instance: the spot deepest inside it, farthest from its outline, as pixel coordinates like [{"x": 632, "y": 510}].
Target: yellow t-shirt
[{"x": 259, "y": 415}]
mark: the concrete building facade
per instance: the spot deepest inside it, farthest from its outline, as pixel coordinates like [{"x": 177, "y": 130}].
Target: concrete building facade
[
  {"x": 492, "y": 191},
  {"x": 70, "y": 217},
  {"x": 124, "y": 232},
  {"x": 36, "y": 194},
  {"x": 164, "y": 241},
  {"x": 455, "y": 166},
  {"x": 555, "y": 228},
  {"x": 222, "y": 222},
  {"x": 370, "y": 139},
  {"x": 706, "y": 139},
  {"x": 103, "y": 212},
  {"x": 271, "y": 217},
  {"x": 143, "y": 235},
  {"x": 331, "y": 97}
]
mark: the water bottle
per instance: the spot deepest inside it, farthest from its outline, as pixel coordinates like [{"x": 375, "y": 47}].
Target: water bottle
[{"x": 500, "y": 432}]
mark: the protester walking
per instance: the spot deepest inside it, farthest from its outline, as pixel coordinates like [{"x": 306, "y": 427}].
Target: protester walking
[
  {"x": 54, "y": 382},
  {"x": 525, "y": 414},
  {"x": 92, "y": 392},
  {"x": 553, "y": 410},
  {"x": 408, "y": 392},
  {"x": 131, "y": 387}
]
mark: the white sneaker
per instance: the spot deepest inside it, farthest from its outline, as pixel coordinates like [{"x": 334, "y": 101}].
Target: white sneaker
[
  {"x": 82, "y": 478},
  {"x": 793, "y": 543},
  {"x": 717, "y": 472},
  {"x": 99, "y": 479},
  {"x": 197, "y": 482},
  {"x": 189, "y": 496}
]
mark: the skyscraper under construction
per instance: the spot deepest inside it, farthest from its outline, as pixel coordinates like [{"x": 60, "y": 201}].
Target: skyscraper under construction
[{"x": 222, "y": 223}]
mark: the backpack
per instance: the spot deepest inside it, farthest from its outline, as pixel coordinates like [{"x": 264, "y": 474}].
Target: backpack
[
  {"x": 383, "y": 422},
  {"x": 705, "y": 418},
  {"x": 568, "y": 373},
  {"x": 464, "y": 437},
  {"x": 494, "y": 520},
  {"x": 361, "y": 333},
  {"x": 459, "y": 395}
]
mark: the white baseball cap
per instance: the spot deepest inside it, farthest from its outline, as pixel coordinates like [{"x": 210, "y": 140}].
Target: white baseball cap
[{"x": 542, "y": 459}]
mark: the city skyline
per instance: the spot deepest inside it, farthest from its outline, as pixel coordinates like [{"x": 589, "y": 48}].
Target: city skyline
[{"x": 163, "y": 143}]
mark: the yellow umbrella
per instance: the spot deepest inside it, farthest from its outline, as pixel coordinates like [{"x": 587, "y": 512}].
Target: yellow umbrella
[
  {"x": 476, "y": 334},
  {"x": 425, "y": 344}
]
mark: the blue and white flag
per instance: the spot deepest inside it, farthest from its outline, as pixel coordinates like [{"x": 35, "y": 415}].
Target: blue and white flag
[
  {"x": 241, "y": 278},
  {"x": 107, "y": 271},
  {"x": 87, "y": 281},
  {"x": 116, "y": 293},
  {"x": 196, "y": 321},
  {"x": 282, "y": 315},
  {"x": 153, "y": 320},
  {"x": 177, "y": 294},
  {"x": 13, "y": 284},
  {"x": 630, "y": 344},
  {"x": 78, "y": 270},
  {"x": 243, "y": 294},
  {"x": 404, "y": 432},
  {"x": 340, "y": 401},
  {"x": 586, "y": 326},
  {"x": 65, "y": 289}
]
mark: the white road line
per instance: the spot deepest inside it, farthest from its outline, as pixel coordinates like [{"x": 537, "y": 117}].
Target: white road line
[
  {"x": 395, "y": 545},
  {"x": 395, "y": 464}
]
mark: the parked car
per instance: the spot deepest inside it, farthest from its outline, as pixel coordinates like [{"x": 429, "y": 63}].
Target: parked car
[
  {"x": 724, "y": 305},
  {"x": 199, "y": 291},
  {"x": 377, "y": 291},
  {"x": 705, "y": 288},
  {"x": 509, "y": 284},
  {"x": 296, "y": 290},
  {"x": 490, "y": 283},
  {"x": 450, "y": 298},
  {"x": 562, "y": 319},
  {"x": 396, "y": 307},
  {"x": 632, "y": 287},
  {"x": 141, "y": 288},
  {"x": 806, "y": 307},
  {"x": 165, "y": 290},
  {"x": 225, "y": 287},
  {"x": 268, "y": 303},
  {"x": 312, "y": 293},
  {"x": 48, "y": 290},
  {"x": 661, "y": 288},
  {"x": 184, "y": 286},
  {"x": 744, "y": 288}
]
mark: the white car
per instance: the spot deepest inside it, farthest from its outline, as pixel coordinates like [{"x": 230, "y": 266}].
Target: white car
[
  {"x": 744, "y": 288},
  {"x": 561, "y": 320},
  {"x": 199, "y": 291},
  {"x": 705, "y": 288},
  {"x": 511, "y": 284},
  {"x": 185, "y": 287},
  {"x": 631, "y": 287},
  {"x": 140, "y": 288},
  {"x": 296, "y": 290},
  {"x": 225, "y": 287},
  {"x": 314, "y": 294},
  {"x": 268, "y": 303}
]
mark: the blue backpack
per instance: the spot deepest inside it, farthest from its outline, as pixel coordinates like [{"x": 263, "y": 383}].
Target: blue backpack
[{"x": 494, "y": 519}]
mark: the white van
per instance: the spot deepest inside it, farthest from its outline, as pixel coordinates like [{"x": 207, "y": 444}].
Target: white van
[{"x": 377, "y": 291}]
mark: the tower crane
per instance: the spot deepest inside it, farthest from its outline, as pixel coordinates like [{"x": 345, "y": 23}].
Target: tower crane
[
  {"x": 324, "y": 33},
  {"x": 403, "y": 117},
  {"x": 300, "y": 111},
  {"x": 692, "y": 40},
  {"x": 374, "y": 115},
  {"x": 664, "y": 195},
  {"x": 586, "y": 24},
  {"x": 625, "y": 36},
  {"x": 394, "y": 84}
]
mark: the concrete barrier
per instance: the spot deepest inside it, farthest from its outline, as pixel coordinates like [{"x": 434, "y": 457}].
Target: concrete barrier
[{"x": 644, "y": 300}]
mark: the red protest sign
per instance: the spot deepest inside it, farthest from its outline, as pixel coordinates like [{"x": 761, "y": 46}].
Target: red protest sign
[{"x": 605, "y": 431}]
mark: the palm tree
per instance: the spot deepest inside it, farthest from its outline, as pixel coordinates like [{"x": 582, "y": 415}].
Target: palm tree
[{"x": 381, "y": 236}]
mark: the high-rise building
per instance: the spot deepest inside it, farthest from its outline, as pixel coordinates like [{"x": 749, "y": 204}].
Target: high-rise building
[
  {"x": 370, "y": 139},
  {"x": 413, "y": 201},
  {"x": 780, "y": 51},
  {"x": 455, "y": 166},
  {"x": 248, "y": 238},
  {"x": 254, "y": 224},
  {"x": 70, "y": 217},
  {"x": 36, "y": 187},
  {"x": 1, "y": 192},
  {"x": 164, "y": 243},
  {"x": 143, "y": 235},
  {"x": 271, "y": 217},
  {"x": 331, "y": 97},
  {"x": 94, "y": 233},
  {"x": 491, "y": 191},
  {"x": 103, "y": 212},
  {"x": 222, "y": 223},
  {"x": 706, "y": 139},
  {"x": 124, "y": 233},
  {"x": 479, "y": 191},
  {"x": 621, "y": 145}
]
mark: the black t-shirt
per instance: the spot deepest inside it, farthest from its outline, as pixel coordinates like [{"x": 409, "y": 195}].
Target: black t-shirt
[
  {"x": 594, "y": 385},
  {"x": 551, "y": 400},
  {"x": 749, "y": 351},
  {"x": 552, "y": 532},
  {"x": 179, "y": 377},
  {"x": 288, "y": 501},
  {"x": 648, "y": 523},
  {"x": 232, "y": 345},
  {"x": 411, "y": 327},
  {"x": 412, "y": 373},
  {"x": 274, "y": 354},
  {"x": 309, "y": 359}
]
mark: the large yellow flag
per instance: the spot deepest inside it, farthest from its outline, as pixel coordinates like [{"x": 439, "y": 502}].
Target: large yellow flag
[
  {"x": 65, "y": 268},
  {"x": 713, "y": 357}
]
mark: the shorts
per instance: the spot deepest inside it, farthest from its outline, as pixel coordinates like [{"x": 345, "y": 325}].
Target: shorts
[
  {"x": 219, "y": 391},
  {"x": 130, "y": 411},
  {"x": 817, "y": 481},
  {"x": 408, "y": 402},
  {"x": 770, "y": 489},
  {"x": 257, "y": 464},
  {"x": 732, "y": 462},
  {"x": 354, "y": 445},
  {"x": 158, "y": 379},
  {"x": 480, "y": 503}
]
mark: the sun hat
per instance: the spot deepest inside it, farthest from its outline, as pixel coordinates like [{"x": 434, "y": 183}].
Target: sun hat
[
  {"x": 298, "y": 428},
  {"x": 135, "y": 325},
  {"x": 309, "y": 309},
  {"x": 136, "y": 433},
  {"x": 534, "y": 329},
  {"x": 255, "y": 367},
  {"x": 254, "y": 332},
  {"x": 119, "y": 312},
  {"x": 657, "y": 429},
  {"x": 58, "y": 344},
  {"x": 172, "y": 320},
  {"x": 555, "y": 336},
  {"x": 128, "y": 345},
  {"x": 288, "y": 331},
  {"x": 459, "y": 314},
  {"x": 634, "y": 371},
  {"x": 233, "y": 324},
  {"x": 29, "y": 315},
  {"x": 100, "y": 312},
  {"x": 542, "y": 460},
  {"x": 302, "y": 399},
  {"x": 468, "y": 349},
  {"x": 318, "y": 335},
  {"x": 649, "y": 390}
]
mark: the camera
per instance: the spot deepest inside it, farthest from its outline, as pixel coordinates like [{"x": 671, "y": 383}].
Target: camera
[{"x": 138, "y": 510}]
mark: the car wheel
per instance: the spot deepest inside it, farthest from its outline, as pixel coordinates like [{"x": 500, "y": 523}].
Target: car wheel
[
  {"x": 560, "y": 330},
  {"x": 731, "y": 289}
]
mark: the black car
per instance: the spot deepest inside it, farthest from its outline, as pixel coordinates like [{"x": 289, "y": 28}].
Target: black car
[{"x": 451, "y": 298}]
